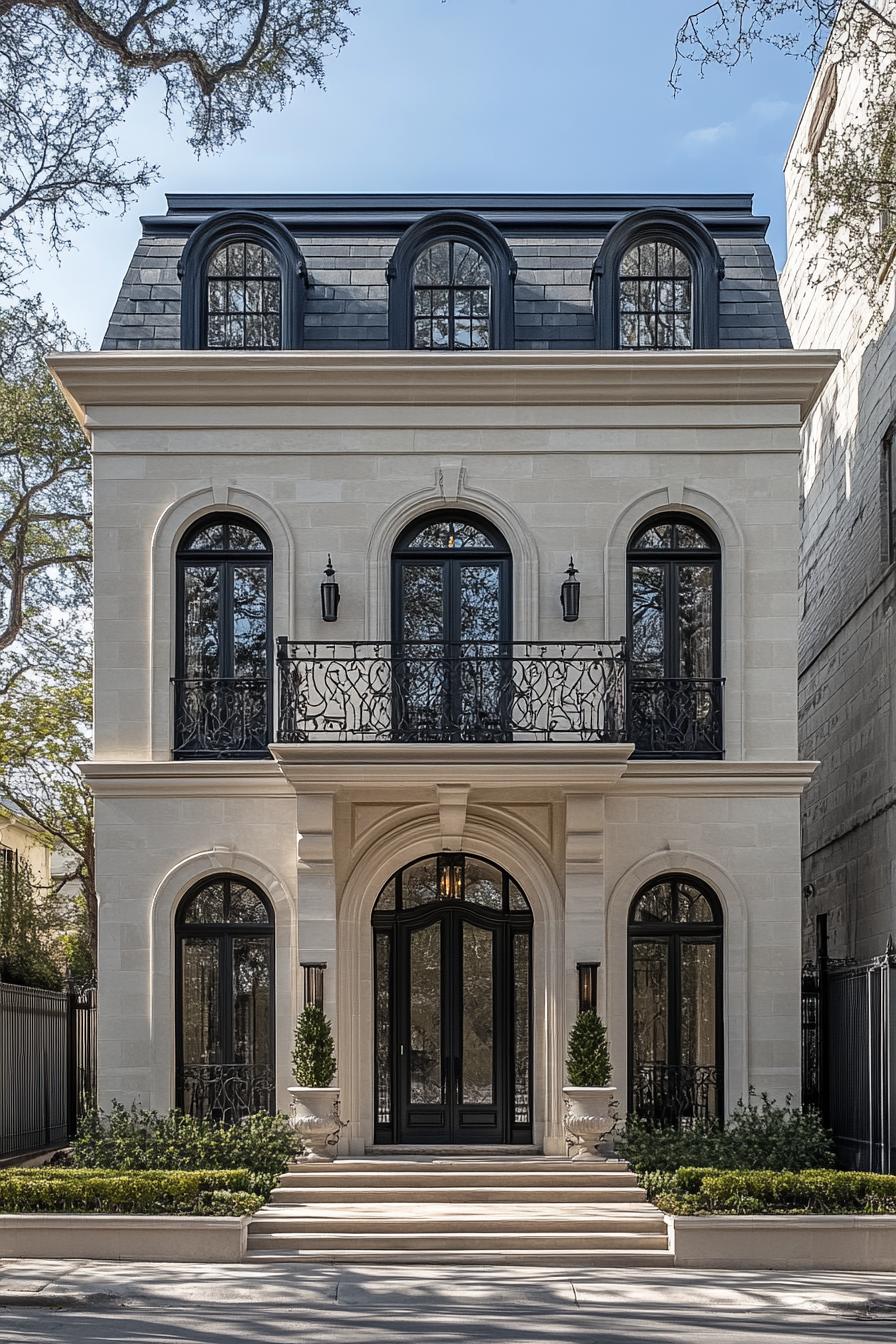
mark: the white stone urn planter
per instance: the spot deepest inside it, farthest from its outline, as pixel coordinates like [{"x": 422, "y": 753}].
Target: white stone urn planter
[
  {"x": 315, "y": 1118},
  {"x": 590, "y": 1116}
]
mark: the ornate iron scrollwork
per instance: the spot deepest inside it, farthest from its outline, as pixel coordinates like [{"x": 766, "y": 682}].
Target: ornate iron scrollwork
[
  {"x": 222, "y": 716},
  {"x": 225, "y": 1092},
  {"x": 675, "y": 716},
  {"x": 682, "y": 1094}
]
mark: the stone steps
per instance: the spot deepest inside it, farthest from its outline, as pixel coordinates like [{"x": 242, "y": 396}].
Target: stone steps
[{"x": 462, "y": 1207}]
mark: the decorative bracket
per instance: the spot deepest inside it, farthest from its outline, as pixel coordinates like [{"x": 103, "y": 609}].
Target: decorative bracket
[
  {"x": 450, "y": 478},
  {"x": 452, "y": 814}
]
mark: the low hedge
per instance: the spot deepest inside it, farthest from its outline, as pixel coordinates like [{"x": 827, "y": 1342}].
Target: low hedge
[
  {"x": 92, "y": 1190},
  {"x": 696, "y": 1190}
]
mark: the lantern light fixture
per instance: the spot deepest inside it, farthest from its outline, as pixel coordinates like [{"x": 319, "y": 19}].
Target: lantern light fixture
[
  {"x": 313, "y": 974},
  {"x": 329, "y": 593},
  {"x": 570, "y": 591},
  {"x": 587, "y": 985}
]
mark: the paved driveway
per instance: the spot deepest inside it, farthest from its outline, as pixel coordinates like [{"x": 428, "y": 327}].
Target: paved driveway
[{"x": 83, "y": 1302}]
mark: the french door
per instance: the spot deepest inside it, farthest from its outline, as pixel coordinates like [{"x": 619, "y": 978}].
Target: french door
[
  {"x": 451, "y": 631},
  {"x": 453, "y": 1009}
]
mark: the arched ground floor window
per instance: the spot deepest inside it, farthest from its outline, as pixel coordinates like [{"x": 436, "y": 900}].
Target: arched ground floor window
[
  {"x": 224, "y": 953},
  {"x": 675, "y": 1001}
]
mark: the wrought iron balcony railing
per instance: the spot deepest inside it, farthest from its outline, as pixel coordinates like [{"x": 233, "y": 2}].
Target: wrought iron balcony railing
[
  {"x": 675, "y": 716},
  {"x": 221, "y": 716},
  {"x": 434, "y": 692},
  {"x": 225, "y": 1092},
  {"x": 676, "y": 1094}
]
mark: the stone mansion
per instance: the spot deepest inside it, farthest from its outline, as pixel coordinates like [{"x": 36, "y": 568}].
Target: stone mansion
[{"x": 446, "y": 640}]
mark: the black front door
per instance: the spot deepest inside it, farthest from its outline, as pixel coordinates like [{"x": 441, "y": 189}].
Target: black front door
[
  {"x": 451, "y": 631},
  {"x": 453, "y": 1011}
]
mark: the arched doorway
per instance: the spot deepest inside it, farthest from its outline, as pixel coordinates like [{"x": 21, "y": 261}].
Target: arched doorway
[
  {"x": 224, "y": 966},
  {"x": 451, "y": 630},
  {"x": 452, "y": 952}
]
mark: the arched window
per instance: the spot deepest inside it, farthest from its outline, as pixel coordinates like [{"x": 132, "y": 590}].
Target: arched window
[
  {"x": 224, "y": 641},
  {"x": 452, "y": 298},
  {"x": 452, "y": 957},
  {"x": 674, "y": 633},
  {"x": 655, "y": 297},
  {"x": 656, "y": 284},
  {"x": 675, "y": 1001},
  {"x": 451, "y": 286},
  {"x": 242, "y": 297},
  {"x": 451, "y": 627},
  {"x": 224, "y": 934},
  {"x": 243, "y": 281}
]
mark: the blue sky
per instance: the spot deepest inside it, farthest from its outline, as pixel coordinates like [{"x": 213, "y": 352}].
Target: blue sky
[{"x": 476, "y": 95}]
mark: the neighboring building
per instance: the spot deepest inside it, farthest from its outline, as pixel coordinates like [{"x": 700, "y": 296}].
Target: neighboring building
[
  {"x": 22, "y": 844},
  {"x": 848, "y": 578},
  {"x": 415, "y": 770}
]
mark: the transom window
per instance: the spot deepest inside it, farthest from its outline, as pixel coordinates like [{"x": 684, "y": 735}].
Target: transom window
[
  {"x": 452, "y": 298},
  {"x": 451, "y": 877},
  {"x": 243, "y": 298},
  {"x": 655, "y": 298}
]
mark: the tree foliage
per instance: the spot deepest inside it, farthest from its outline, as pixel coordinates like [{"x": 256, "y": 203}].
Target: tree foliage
[
  {"x": 588, "y": 1056},
  {"x": 851, "y": 205},
  {"x": 70, "y": 69}
]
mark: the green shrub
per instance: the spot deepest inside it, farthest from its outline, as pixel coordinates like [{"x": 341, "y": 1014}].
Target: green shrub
[
  {"x": 132, "y": 1139},
  {"x": 313, "y": 1061},
  {"x": 588, "y": 1059},
  {"x": 766, "y": 1136},
  {"x": 78, "y": 1190},
  {"x": 708, "y": 1190}
]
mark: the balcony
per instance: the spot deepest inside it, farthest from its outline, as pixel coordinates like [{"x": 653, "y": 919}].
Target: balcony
[{"x": 475, "y": 692}]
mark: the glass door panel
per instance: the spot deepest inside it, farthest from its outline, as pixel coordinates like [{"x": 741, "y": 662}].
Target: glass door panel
[
  {"x": 695, "y": 651},
  {"x": 648, "y": 601},
  {"x": 477, "y": 1017},
  {"x": 202, "y": 636},
  {"x": 251, "y": 1005},
  {"x": 422, "y": 690},
  {"x": 483, "y": 670},
  {"x": 425, "y": 1076},
  {"x": 250, "y": 621},
  {"x": 650, "y": 1008},
  {"x": 200, "y": 996}
]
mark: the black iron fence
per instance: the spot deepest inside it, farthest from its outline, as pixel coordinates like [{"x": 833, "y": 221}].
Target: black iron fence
[
  {"x": 221, "y": 716},
  {"x": 675, "y": 716},
  {"x": 47, "y": 1066},
  {"x": 849, "y": 1056}
]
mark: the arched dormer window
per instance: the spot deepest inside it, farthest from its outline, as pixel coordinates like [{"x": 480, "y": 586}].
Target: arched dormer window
[
  {"x": 243, "y": 281},
  {"x": 451, "y": 286},
  {"x": 656, "y": 284}
]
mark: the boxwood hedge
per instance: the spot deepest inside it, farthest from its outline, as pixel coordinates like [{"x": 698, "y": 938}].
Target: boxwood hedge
[{"x": 92, "y": 1190}]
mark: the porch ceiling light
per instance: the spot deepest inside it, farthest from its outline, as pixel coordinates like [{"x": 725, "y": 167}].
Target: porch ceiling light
[
  {"x": 329, "y": 593},
  {"x": 587, "y": 985},
  {"x": 569, "y": 593}
]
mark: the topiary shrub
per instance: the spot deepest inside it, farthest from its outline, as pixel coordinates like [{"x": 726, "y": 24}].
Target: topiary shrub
[
  {"x": 588, "y": 1059},
  {"x": 313, "y": 1060}
]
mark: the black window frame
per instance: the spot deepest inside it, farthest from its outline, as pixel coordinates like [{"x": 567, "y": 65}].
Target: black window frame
[
  {"x": 453, "y": 289},
  {"x": 225, "y": 560},
  {"x": 224, "y": 932},
  {"x": 691, "y": 237},
  {"x": 671, "y": 559},
  {"x": 237, "y": 226},
  {"x": 457, "y": 227},
  {"x": 673, "y": 933}
]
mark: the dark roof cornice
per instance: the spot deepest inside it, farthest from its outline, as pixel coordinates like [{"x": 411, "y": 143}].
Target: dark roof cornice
[{"x": 722, "y": 214}]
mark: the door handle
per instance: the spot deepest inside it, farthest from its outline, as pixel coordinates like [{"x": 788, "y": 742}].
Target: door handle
[{"x": 457, "y": 1079}]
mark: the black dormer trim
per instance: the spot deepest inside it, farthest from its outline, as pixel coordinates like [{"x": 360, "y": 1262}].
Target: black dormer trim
[
  {"x": 695, "y": 241},
  {"x": 459, "y": 226},
  {"x": 234, "y": 225}
]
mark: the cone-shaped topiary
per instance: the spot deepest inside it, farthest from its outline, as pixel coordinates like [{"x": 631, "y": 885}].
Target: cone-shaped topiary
[
  {"x": 313, "y": 1061},
  {"x": 588, "y": 1059}
]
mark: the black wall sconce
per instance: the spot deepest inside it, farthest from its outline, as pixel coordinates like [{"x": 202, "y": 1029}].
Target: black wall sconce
[
  {"x": 314, "y": 982},
  {"x": 587, "y": 985},
  {"x": 329, "y": 593},
  {"x": 569, "y": 594}
]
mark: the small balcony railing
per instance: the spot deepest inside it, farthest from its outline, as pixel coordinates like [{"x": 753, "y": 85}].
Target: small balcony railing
[
  {"x": 675, "y": 716},
  {"x": 475, "y": 692},
  {"x": 226, "y": 1093},
  {"x": 221, "y": 716},
  {"x": 676, "y": 1094}
]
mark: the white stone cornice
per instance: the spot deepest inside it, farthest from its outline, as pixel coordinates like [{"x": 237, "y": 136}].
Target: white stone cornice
[
  {"x": 186, "y": 779},
  {"x": 713, "y": 779},
  {"x": 150, "y": 378}
]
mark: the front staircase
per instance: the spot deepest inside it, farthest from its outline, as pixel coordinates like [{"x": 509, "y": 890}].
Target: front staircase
[{"x": 464, "y": 1207}]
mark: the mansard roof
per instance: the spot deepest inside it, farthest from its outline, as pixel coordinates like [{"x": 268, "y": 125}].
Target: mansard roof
[{"x": 348, "y": 241}]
